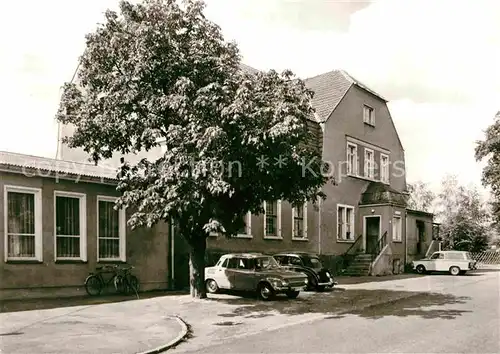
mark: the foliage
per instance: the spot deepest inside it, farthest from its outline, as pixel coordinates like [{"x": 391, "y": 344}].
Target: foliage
[
  {"x": 161, "y": 71},
  {"x": 489, "y": 149},
  {"x": 464, "y": 216},
  {"x": 421, "y": 197}
]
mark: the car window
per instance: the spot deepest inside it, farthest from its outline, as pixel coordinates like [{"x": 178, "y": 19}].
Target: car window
[
  {"x": 246, "y": 263},
  {"x": 468, "y": 256},
  {"x": 436, "y": 255},
  {"x": 312, "y": 262},
  {"x": 295, "y": 261},
  {"x": 282, "y": 260},
  {"x": 233, "y": 263},
  {"x": 455, "y": 256},
  {"x": 224, "y": 264},
  {"x": 266, "y": 263}
]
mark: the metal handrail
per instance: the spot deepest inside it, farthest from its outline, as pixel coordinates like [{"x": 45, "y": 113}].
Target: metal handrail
[
  {"x": 381, "y": 242},
  {"x": 352, "y": 246},
  {"x": 345, "y": 262}
]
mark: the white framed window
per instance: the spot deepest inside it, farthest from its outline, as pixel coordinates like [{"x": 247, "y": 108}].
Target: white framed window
[
  {"x": 299, "y": 222},
  {"x": 352, "y": 159},
  {"x": 369, "y": 163},
  {"x": 70, "y": 226},
  {"x": 23, "y": 223},
  {"x": 246, "y": 230},
  {"x": 397, "y": 228},
  {"x": 111, "y": 230},
  {"x": 345, "y": 222},
  {"x": 368, "y": 115},
  {"x": 384, "y": 168},
  {"x": 272, "y": 219}
]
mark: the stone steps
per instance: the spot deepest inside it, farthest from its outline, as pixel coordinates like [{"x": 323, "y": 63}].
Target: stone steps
[{"x": 359, "y": 266}]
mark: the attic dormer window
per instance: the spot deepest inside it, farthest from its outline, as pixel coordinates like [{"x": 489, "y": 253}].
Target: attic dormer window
[{"x": 368, "y": 115}]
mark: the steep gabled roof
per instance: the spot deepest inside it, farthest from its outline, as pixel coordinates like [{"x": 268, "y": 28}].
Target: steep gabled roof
[{"x": 329, "y": 89}]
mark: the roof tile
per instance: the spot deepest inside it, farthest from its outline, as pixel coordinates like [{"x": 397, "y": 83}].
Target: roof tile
[{"x": 329, "y": 89}]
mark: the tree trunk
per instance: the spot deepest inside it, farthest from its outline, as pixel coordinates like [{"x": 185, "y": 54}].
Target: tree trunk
[{"x": 197, "y": 267}]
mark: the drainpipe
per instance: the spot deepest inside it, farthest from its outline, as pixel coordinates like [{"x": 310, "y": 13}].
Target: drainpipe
[
  {"x": 406, "y": 237},
  {"x": 172, "y": 254},
  {"x": 319, "y": 225}
]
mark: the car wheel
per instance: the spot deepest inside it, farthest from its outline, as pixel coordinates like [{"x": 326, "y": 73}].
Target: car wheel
[
  {"x": 292, "y": 294},
  {"x": 420, "y": 269},
  {"x": 211, "y": 286},
  {"x": 313, "y": 283},
  {"x": 454, "y": 270},
  {"x": 265, "y": 292},
  {"x": 320, "y": 288}
]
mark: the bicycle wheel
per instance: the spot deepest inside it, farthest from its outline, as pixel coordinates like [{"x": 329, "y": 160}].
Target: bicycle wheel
[
  {"x": 133, "y": 284},
  {"x": 120, "y": 284},
  {"x": 93, "y": 285}
]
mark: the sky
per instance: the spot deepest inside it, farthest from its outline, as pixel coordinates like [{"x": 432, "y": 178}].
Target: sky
[{"x": 436, "y": 61}]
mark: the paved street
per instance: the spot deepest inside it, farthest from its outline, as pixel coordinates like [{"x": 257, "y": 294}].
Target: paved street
[
  {"x": 447, "y": 315},
  {"x": 423, "y": 314}
]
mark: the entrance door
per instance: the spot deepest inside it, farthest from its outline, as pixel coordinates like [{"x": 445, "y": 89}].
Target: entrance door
[
  {"x": 372, "y": 233},
  {"x": 420, "y": 237}
]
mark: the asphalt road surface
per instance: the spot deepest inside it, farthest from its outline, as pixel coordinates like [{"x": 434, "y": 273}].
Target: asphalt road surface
[{"x": 467, "y": 322}]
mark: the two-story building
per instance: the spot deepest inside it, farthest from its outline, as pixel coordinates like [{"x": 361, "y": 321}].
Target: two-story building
[
  {"x": 363, "y": 218},
  {"x": 364, "y": 214}
]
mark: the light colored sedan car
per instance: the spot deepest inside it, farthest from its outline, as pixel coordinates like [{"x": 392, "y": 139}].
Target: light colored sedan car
[
  {"x": 254, "y": 272},
  {"x": 454, "y": 262}
]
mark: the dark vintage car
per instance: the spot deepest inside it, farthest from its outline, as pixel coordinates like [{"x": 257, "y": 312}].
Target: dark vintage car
[{"x": 318, "y": 276}]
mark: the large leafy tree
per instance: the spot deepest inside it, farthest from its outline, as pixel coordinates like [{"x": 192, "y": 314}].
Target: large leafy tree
[
  {"x": 161, "y": 71},
  {"x": 421, "y": 197},
  {"x": 464, "y": 216},
  {"x": 489, "y": 149}
]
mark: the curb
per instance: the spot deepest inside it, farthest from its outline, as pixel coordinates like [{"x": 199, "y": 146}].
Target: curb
[{"x": 183, "y": 333}]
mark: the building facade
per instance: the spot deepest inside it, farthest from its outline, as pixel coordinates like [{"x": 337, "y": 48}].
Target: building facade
[
  {"x": 58, "y": 224},
  {"x": 364, "y": 211}
]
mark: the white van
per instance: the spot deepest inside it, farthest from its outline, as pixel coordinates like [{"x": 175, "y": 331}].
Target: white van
[{"x": 454, "y": 262}]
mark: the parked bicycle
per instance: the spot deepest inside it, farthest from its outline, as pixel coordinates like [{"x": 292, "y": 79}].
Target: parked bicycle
[
  {"x": 126, "y": 282},
  {"x": 121, "y": 278}
]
